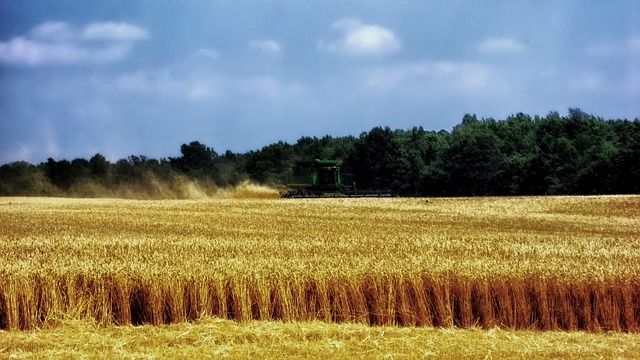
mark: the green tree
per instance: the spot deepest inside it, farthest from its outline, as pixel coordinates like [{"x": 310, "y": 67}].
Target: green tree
[
  {"x": 99, "y": 166},
  {"x": 435, "y": 179},
  {"x": 376, "y": 161},
  {"x": 197, "y": 160},
  {"x": 519, "y": 150},
  {"x": 473, "y": 160},
  {"x": 23, "y": 179},
  {"x": 59, "y": 173},
  {"x": 272, "y": 164},
  {"x": 230, "y": 168},
  {"x": 626, "y": 163}
]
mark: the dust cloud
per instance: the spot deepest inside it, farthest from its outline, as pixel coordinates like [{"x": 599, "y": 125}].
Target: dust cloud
[{"x": 174, "y": 187}]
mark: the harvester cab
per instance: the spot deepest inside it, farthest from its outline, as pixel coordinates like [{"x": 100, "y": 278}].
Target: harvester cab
[{"x": 323, "y": 178}]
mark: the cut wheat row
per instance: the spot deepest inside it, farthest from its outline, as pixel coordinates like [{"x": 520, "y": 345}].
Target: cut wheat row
[{"x": 545, "y": 304}]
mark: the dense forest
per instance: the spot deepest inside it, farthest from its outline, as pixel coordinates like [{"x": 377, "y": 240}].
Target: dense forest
[{"x": 520, "y": 155}]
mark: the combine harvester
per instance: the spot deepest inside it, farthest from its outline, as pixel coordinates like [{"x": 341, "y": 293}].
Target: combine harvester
[{"x": 325, "y": 178}]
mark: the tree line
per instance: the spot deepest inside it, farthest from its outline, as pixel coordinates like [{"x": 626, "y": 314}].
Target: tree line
[{"x": 520, "y": 155}]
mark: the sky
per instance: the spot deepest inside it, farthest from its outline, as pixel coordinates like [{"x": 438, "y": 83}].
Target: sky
[{"x": 120, "y": 78}]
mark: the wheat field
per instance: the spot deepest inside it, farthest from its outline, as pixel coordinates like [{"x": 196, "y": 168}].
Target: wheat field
[
  {"x": 214, "y": 338},
  {"x": 530, "y": 263}
]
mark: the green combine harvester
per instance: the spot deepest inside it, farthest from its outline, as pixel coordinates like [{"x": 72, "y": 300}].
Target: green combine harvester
[{"x": 324, "y": 178}]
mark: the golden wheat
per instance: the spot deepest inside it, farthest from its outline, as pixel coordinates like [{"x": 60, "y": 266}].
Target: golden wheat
[
  {"x": 212, "y": 338},
  {"x": 539, "y": 262}
]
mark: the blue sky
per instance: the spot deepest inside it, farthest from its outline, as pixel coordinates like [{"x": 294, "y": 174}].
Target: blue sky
[{"x": 143, "y": 77}]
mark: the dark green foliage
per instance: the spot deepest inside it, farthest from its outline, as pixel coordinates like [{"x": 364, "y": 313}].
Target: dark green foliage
[
  {"x": 626, "y": 162},
  {"x": 521, "y": 155},
  {"x": 130, "y": 169},
  {"x": 21, "y": 179},
  {"x": 99, "y": 166},
  {"x": 327, "y": 147},
  {"x": 377, "y": 160},
  {"x": 519, "y": 151},
  {"x": 474, "y": 160},
  {"x": 272, "y": 164},
  {"x": 197, "y": 160},
  {"x": 59, "y": 173},
  {"x": 230, "y": 169}
]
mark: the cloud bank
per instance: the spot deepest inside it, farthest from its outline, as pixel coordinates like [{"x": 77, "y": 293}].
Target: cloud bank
[{"x": 58, "y": 43}]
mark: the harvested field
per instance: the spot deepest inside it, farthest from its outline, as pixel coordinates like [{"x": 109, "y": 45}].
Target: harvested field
[
  {"x": 548, "y": 263},
  {"x": 213, "y": 338}
]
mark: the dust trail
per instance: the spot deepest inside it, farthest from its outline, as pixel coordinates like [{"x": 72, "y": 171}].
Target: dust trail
[
  {"x": 175, "y": 186},
  {"x": 248, "y": 190}
]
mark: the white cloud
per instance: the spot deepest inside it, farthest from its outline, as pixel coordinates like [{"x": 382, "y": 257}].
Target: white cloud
[
  {"x": 28, "y": 52},
  {"x": 53, "y": 30},
  {"x": 633, "y": 44},
  {"x": 630, "y": 46},
  {"x": 633, "y": 82},
  {"x": 359, "y": 39},
  {"x": 601, "y": 49},
  {"x": 266, "y": 46},
  {"x": 500, "y": 46},
  {"x": 209, "y": 54},
  {"x": 198, "y": 82},
  {"x": 114, "y": 31},
  {"x": 267, "y": 87},
  {"x": 587, "y": 82},
  {"x": 459, "y": 76},
  {"x": 167, "y": 82},
  {"x": 59, "y": 43}
]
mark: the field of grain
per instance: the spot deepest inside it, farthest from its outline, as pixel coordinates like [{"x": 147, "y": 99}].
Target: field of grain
[
  {"x": 214, "y": 338},
  {"x": 546, "y": 263}
]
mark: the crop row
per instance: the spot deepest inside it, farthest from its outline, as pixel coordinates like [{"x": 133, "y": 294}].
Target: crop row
[{"x": 546, "y": 304}]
